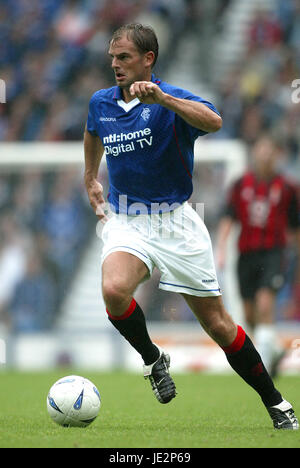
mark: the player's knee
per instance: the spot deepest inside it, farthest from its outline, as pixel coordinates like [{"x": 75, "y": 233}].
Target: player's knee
[
  {"x": 222, "y": 330},
  {"x": 265, "y": 299},
  {"x": 114, "y": 293}
]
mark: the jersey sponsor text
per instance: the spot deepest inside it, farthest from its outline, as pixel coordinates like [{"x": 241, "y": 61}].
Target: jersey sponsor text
[{"x": 141, "y": 138}]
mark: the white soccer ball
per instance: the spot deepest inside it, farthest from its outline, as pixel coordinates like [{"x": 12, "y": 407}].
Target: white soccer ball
[{"x": 73, "y": 401}]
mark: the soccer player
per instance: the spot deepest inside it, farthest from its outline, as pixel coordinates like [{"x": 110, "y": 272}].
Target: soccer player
[
  {"x": 265, "y": 205},
  {"x": 147, "y": 129}
]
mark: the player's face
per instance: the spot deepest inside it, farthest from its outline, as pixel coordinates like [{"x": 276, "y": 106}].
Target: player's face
[
  {"x": 128, "y": 63},
  {"x": 264, "y": 154}
]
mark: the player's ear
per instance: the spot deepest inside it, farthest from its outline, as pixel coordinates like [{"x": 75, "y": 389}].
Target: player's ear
[{"x": 149, "y": 58}]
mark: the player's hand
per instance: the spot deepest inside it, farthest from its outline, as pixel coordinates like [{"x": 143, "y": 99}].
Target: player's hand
[
  {"x": 147, "y": 92},
  {"x": 97, "y": 202}
]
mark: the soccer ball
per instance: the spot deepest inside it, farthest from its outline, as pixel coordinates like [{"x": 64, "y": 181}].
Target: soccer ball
[{"x": 73, "y": 401}]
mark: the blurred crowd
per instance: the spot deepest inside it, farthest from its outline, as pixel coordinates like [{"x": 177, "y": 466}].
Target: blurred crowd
[
  {"x": 44, "y": 226},
  {"x": 53, "y": 56},
  {"x": 257, "y": 94}
]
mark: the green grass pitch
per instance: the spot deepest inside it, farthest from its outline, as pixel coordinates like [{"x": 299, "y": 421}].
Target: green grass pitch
[{"x": 210, "y": 411}]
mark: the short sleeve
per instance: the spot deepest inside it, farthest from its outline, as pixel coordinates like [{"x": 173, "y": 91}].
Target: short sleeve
[
  {"x": 91, "y": 125},
  {"x": 210, "y": 106},
  {"x": 193, "y": 131}
]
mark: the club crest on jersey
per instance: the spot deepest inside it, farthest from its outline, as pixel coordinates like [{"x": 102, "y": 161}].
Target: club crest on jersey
[{"x": 146, "y": 114}]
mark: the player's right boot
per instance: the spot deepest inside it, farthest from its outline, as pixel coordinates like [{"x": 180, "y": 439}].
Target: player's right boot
[
  {"x": 162, "y": 383},
  {"x": 283, "y": 416}
]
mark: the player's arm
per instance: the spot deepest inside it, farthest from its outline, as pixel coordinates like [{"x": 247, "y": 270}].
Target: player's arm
[
  {"x": 227, "y": 220},
  {"x": 195, "y": 113},
  {"x": 224, "y": 229},
  {"x": 93, "y": 152}
]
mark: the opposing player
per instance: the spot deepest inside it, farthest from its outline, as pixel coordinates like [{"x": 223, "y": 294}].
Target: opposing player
[
  {"x": 265, "y": 205},
  {"x": 147, "y": 129}
]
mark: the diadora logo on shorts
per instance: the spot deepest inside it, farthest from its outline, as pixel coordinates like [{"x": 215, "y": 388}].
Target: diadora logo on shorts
[{"x": 127, "y": 141}]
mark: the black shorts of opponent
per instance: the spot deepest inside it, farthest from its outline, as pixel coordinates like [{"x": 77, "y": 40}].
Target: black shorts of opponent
[{"x": 260, "y": 269}]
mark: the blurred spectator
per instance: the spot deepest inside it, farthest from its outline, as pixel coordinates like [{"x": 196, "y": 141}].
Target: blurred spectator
[
  {"x": 44, "y": 226},
  {"x": 63, "y": 223},
  {"x": 33, "y": 305},
  {"x": 12, "y": 258},
  {"x": 265, "y": 30},
  {"x": 27, "y": 199}
]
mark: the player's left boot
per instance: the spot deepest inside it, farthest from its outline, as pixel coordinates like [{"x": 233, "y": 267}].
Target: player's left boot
[
  {"x": 162, "y": 383},
  {"x": 283, "y": 416}
]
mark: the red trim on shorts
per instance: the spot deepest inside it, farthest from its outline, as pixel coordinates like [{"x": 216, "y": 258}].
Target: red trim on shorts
[
  {"x": 126, "y": 314},
  {"x": 237, "y": 343}
]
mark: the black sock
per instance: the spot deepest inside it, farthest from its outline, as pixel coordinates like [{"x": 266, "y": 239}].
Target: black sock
[
  {"x": 246, "y": 361},
  {"x": 132, "y": 325}
]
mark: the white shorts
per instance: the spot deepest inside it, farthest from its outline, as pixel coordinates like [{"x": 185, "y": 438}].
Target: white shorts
[{"x": 176, "y": 242}]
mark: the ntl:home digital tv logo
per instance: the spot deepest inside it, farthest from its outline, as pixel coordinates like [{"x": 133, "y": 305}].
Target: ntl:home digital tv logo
[{"x": 2, "y": 92}]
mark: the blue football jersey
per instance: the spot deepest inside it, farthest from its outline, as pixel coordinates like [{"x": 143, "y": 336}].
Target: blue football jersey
[{"x": 149, "y": 149}]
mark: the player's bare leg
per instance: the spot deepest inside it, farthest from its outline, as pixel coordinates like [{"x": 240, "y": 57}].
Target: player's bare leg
[
  {"x": 265, "y": 331},
  {"x": 122, "y": 272},
  {"x": 265, "y": 302},
  {"x": 250, "y": 314},
  {"x": 242, "y": 356},
  {"x": 213, "y": 317}
]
